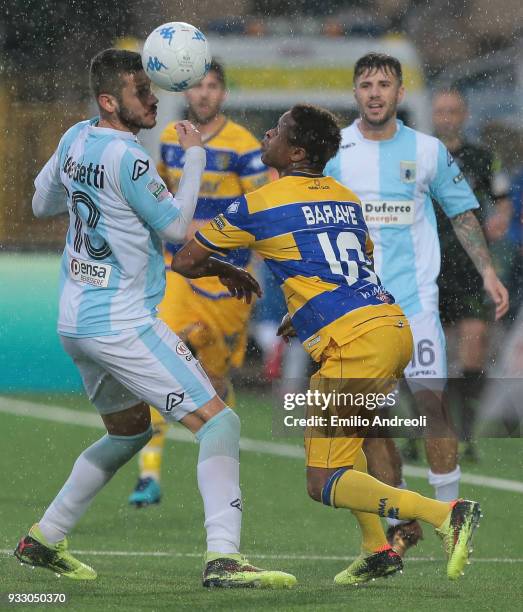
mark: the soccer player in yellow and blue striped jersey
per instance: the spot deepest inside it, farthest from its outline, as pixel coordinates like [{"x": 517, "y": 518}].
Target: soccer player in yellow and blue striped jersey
[
  {"x": 311, "y": 233},
  {"x": 201, "y": 311}
]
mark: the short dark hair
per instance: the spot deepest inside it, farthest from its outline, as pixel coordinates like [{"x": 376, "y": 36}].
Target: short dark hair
[
  {"x": 108, "y": 67},
  {"x": 316, "y": 130},
  {"x": 378, "y": 61},
  {"x": 450, "y": 91},
  {"x": 218, "y": 69}
]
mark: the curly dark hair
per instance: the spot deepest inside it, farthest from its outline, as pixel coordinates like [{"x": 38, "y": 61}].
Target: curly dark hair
[
  {"x": 378, "y": 61},
  {"x": 316, "y": 130}
]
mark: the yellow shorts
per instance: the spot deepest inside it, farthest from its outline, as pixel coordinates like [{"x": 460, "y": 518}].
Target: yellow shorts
[
  {"x": 215, "y": 328},
  {"x": 379, "y": 357}
]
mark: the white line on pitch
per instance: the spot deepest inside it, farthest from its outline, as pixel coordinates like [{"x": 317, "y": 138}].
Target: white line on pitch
[
  {"x": 291, "y": 557},
  {"x": 76, "y": 417}
]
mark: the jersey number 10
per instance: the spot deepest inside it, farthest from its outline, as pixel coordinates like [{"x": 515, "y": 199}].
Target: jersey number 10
[
  {"x": 101, "y": 252},
  {"x": 343, "y": 264}
]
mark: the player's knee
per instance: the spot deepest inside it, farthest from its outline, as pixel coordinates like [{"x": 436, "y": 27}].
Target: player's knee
[
  {"x": 111, "y": 452},
  {"x": 314, "y": 490},
  {"x": 322, "y": 482},
  {"x": 317, "y": 478}
]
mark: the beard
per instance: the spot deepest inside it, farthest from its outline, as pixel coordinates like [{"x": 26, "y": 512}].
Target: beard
[
  {"x": 389, "y": 114},
  {"x": 131, "y": 121},
  {"x": 199, "y": 119},
  {"x": 446, "y": 132}
]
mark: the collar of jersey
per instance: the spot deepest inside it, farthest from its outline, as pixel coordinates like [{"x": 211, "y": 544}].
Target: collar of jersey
[
  {"x": 399, "y": 127},
  {"x": 306, "y": 174},
  {"x": 98, "y": 131}
]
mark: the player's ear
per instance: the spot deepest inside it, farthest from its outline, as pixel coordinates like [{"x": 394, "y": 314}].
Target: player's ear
[
  {"x": 298, "y": 154},
  {"x": 401, "y": 93},
  {"x": 107, "y": 102}
]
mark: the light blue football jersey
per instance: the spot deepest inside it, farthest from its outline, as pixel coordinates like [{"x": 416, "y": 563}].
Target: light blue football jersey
[
  {"x": 112, "y": 273},
  {"x": 397, "y": 180}
]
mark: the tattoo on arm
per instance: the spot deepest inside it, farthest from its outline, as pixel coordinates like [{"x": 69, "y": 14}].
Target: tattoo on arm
[{"x": 469, "y": 233}]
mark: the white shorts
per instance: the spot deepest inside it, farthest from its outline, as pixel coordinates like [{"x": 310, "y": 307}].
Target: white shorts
[
  {"x": 428, "y": 367},
  {"x": 149, "y": 364}
]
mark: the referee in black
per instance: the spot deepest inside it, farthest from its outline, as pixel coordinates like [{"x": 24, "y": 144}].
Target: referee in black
[{"x": 465, "y": 311}]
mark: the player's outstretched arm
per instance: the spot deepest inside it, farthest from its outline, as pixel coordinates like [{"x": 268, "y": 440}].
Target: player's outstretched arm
[
  {"x": 469, "y": 233},
  {"x": 193, "y": 261},
  {"x": 189, "y": 187}
]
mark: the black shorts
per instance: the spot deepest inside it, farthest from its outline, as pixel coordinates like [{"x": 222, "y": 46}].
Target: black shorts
[{"x": 458, "y": 304}]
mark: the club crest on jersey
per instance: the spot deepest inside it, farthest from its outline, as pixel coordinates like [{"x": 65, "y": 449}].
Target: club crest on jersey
[
  {"x": 222, "y": 160},
  {"x": 183, "y": 350},
  {"x": 408, "y": 171}
]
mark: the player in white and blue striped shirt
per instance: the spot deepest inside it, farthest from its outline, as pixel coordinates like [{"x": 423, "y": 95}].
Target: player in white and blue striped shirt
[
  {"x": 397, "y": 172},
  {"x": 112, "y": 279}
]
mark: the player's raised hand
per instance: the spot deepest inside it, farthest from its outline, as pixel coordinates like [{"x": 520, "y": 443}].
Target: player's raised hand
[
  {"x": 241, "y": 284},
  {"x": 189, "y": 136},
  {"x": 286, "y": 330},
  {"x": 496, "y": 291}
]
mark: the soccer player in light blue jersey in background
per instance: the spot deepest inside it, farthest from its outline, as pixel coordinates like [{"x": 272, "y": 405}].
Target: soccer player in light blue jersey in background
[
  {"x": 112, "y": 279},
  {"x": 397, "y": 172}
]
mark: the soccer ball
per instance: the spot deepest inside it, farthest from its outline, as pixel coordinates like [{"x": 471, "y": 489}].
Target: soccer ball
[{"x": 176, "y": 56}]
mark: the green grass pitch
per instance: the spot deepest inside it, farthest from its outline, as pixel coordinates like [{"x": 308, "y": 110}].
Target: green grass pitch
[{"x": 160, "y": 562}]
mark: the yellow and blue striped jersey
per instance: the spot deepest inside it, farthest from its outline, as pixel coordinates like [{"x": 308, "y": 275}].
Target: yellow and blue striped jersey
[
  {"x": 311, "y": 233},
  {"x": 233, "y": 168}
]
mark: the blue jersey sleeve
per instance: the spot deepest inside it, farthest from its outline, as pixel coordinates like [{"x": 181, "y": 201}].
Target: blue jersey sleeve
[
  {"x": 229, "y": 230},
  {"x": 145, "y": 191},
  {"x": 449, "y": 187}
]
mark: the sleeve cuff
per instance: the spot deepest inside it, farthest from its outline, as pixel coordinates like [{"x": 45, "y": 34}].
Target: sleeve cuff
[
  {"x": 455, "y": 213},
  {"x": 166, "y": 219}
]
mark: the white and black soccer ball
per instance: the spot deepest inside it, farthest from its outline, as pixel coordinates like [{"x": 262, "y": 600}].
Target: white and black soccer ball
[{"x": 176, "y": 56}]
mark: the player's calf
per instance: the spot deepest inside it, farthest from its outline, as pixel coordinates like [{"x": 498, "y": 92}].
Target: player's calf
[
  {"x": 91, "y": 472},
  {"x": 317, "y": 479}
]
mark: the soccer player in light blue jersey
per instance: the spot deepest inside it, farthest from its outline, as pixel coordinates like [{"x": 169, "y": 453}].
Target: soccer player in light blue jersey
[
  {"x": 397, "y": 172},
  {"x": 112, "y": 279}
]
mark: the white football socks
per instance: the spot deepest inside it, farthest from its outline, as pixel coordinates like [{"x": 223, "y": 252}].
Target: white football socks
[
  {"x": 73, "y": 500},
  {"x": 92, "y": 470},
  {"x": 446, "y": 486},
  {"x": 218, "y": 480}
]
